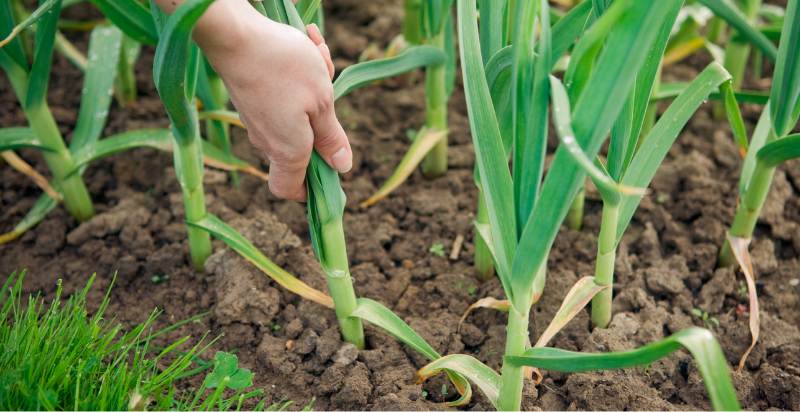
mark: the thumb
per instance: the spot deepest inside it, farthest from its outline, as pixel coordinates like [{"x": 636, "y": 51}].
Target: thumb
[{"x": 331, "y": 141}]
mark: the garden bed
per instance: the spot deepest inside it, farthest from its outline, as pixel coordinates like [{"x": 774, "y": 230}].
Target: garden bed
[{"x": 665, "y": 270}]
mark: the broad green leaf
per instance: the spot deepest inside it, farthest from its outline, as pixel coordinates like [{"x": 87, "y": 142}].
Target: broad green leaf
[
  {"x": 569, "y": 28},
  {"x": 762, "y": 135},
  {"x": 12, "y": 138},
  {"x": 247, "y": 250},
  {"x": 44, "y": 39},
  {"x": 785, "y": 94},
  {"x": 382, "y": 317},
  {"x": 170, "y": 67},
  {"x": 434, "y": 16},
  {"x": 308, "y": 9},
  {"x": 159, "y": 139},
  {"x": 596, "y": 110},
  {"x": 528, "y": 159},
  {"x": 491, "y": 26},
  {"x": 779, "y": 151},
  {"x": 498, "y": 77},
  {"x": 422, "y": 144},
  {"x": 734, "y": 116},
  {"x": 699, "y": 342},
  {"x": 104, "y": 52},
  {"x": 492, "y": 163},
  {"x": 656, "y": 144},
  {"x": 577, "y": 298},
  {"x": 733, "y": 16},
  {"x": 227, "y": 373},
  {"x": 131, "y": 17},
  {"x": 610, "y": 190},
  {"x": 487, "y": 380},
  {"x": 361, "y": 74},
  {"x": 623, "y": 146}
]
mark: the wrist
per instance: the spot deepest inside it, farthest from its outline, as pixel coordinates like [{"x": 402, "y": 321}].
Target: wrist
[{"x": 225, "y": 25}]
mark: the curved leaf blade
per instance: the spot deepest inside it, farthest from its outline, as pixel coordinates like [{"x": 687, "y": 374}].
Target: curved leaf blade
[
  {"x": 733, "y": 16},
  {"x": 131, "y": 17},
  {"x": 785, "y": 94},
  {"x": 577, "y": 298},
  {"x": 487, "y": 380},
  {"x": 699, "y": 342},
  {"x": 12, "y": 138},
  {"x": 779, "y": 151},
  {"x": 361, "y": 74},
  {"x": 247, "y": 250}
]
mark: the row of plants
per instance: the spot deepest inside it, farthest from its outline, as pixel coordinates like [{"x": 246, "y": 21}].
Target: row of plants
[{"x": 608, "y": 56}]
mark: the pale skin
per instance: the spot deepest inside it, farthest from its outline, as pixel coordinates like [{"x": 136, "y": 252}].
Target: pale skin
[{"x": 280, "y": 82}]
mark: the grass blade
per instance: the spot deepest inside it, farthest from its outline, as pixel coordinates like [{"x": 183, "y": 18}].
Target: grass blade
[
  {"x": 247, "y": 250},
  {"x": 361, "y": 74},
  {"x": 45, "y": 37},
  {"x": 734, "y": 116},
  {"x": 20, "y": 165},
  {"x": 34, "y": 17},
  {"x": 700, "y": 343}
]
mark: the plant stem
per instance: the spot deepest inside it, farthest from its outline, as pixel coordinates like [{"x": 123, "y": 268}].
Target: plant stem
[
  {"x": 76, "y": 196},
  {"x": 575, "y": 213},
  {"x": 748, "y": 210},
  {"x": 340, "y": 284},
  {"x": 736, "y": 53},
  {"x": 189, "y": 168},
  {"x": 125, "y": 86},
  {"x": 510, "y": 398},
  {"x": 412, "y": 31},
  {"x": 484, "y": 264},
  {"x": 435, "y": 163},
  {"x": 604, "y": 266}
]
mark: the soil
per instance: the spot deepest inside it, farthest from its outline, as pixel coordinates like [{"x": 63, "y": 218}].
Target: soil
[{"x": 665, "y": 265}]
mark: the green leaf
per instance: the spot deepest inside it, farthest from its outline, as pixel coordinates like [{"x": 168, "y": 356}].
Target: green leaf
[
  {"x": 247, "y": 250},
  {"x": 131, "y": 17},
  {"x": 361, "y": 74},
  {"x": 43, "y": 206},
  {"x": 227, "y": 373},
  {"x": 382, "y": 317},
  {"x": 104, "y": 52},
  {"x": 487, "y": 380},
  {"x": 12, "y": 138},
  {"x": 492, "y": 163},
  {"x": 785, "y": 94},
  {"x": 656, "y": 144},
  {"x": 672, "y": 89},
  {"x": 610, "y": 190},
  {"x": 762, "y": 135},
  {"x": 308, "y": 9},
  {"x": 734, "y": 116},
  {"x": 780, "y": 151},
  {"x": 596, "y": 110},
  {"x": 434, "y": 15},
  {"x": 733, "y": 16},
  {"x": 12, "y": 52},
  {"x": 33, "y": 18},
  {"x": 326, "y": 201},
  {"x": 623, "y": 146},
  {"x": 170, "y": 67},
  {"x": 569, "y": 28},
  {"x": 491, "y": 27},
  {"x": 700, "y": 343},
  {"x": 45, "y": 38},
  {"x": 498, "y": 77}
]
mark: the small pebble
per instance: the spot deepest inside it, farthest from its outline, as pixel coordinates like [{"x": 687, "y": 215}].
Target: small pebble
[{"x": 346, "y": 354}]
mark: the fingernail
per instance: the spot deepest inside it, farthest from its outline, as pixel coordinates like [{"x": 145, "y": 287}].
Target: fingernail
[{"x": 342, "y": 161}]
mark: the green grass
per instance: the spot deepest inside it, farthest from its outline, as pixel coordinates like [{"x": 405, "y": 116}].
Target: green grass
[{"x": 58, "y": 356}]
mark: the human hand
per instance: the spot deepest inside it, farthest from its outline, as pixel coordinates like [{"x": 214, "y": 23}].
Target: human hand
[{"x": 280, "y": 82}]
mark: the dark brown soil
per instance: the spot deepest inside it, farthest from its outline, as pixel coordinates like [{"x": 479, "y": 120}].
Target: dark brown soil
[{"x": 665, "y": 268}]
